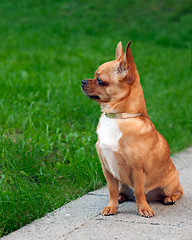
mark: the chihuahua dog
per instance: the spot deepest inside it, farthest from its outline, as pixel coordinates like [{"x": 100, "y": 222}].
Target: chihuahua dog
[{"x": 133, "y": 154}]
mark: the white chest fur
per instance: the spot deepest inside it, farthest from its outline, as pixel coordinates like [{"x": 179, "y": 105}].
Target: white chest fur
[{"x": 109, "y": 135}]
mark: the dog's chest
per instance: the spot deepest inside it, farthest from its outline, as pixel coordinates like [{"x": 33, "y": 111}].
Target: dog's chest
[{"x": 109, "y": 135}]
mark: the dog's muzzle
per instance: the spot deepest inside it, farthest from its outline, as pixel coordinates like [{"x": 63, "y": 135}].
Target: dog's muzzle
[{"x": 83, "y": 84}]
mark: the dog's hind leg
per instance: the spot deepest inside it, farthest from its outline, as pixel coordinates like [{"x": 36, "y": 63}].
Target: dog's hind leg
[
  {"x": 171, "y": 199},
  {"x": 173, "y": 190}
]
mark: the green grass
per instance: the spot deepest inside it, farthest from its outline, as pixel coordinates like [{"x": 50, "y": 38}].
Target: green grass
[{"x": 47, "y": 126}]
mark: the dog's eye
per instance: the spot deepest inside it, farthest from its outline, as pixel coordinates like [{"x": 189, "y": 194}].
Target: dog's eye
[{"x": 100, "y": 82}]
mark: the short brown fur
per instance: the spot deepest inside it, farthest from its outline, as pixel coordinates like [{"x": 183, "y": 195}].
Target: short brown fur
[{"x": 143, "y": 156}]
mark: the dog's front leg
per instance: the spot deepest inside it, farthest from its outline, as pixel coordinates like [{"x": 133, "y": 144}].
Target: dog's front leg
[
  {"x": 112, "y": 185},
  {"x": 142, "y": 205}
]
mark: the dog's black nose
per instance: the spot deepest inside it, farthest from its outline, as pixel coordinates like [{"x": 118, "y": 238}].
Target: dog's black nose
[{"x": 83, "y": 83}]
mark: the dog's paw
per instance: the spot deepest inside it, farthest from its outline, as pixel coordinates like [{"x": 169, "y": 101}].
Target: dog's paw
[
  {"x": 169, "y": 200},
  {"x": 148, "y": 212},
  {"x": 109, "y": 211},
  {"x": 122, "y": 198}
]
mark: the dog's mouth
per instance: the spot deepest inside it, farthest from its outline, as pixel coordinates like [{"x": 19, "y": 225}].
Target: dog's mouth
[{"x": 94, "y": 97}]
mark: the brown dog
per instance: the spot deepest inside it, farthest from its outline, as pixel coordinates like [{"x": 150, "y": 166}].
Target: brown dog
[{"x": 132, "y": 152}]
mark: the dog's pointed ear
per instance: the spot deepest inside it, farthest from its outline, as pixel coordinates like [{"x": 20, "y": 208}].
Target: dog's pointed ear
[
  {"x": 129, "y": 64},
  {"x": 119, "y": 50},
  {"x": 128, "y": 58}
]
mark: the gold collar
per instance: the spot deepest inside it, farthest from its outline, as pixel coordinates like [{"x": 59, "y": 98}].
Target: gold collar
[{"x": 122, "y": 115}]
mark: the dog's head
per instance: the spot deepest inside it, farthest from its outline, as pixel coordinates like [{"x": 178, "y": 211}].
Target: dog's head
[{"x": 112, "y": 79}]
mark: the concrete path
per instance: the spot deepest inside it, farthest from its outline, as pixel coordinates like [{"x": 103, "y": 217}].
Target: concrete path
[{"x": 81, "y": 218}]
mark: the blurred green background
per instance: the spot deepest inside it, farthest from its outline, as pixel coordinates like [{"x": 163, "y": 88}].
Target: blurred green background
[{"x": 47, "y": 126}]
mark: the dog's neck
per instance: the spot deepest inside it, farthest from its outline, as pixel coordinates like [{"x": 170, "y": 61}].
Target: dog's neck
[{"x": 133, "y": 102}]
